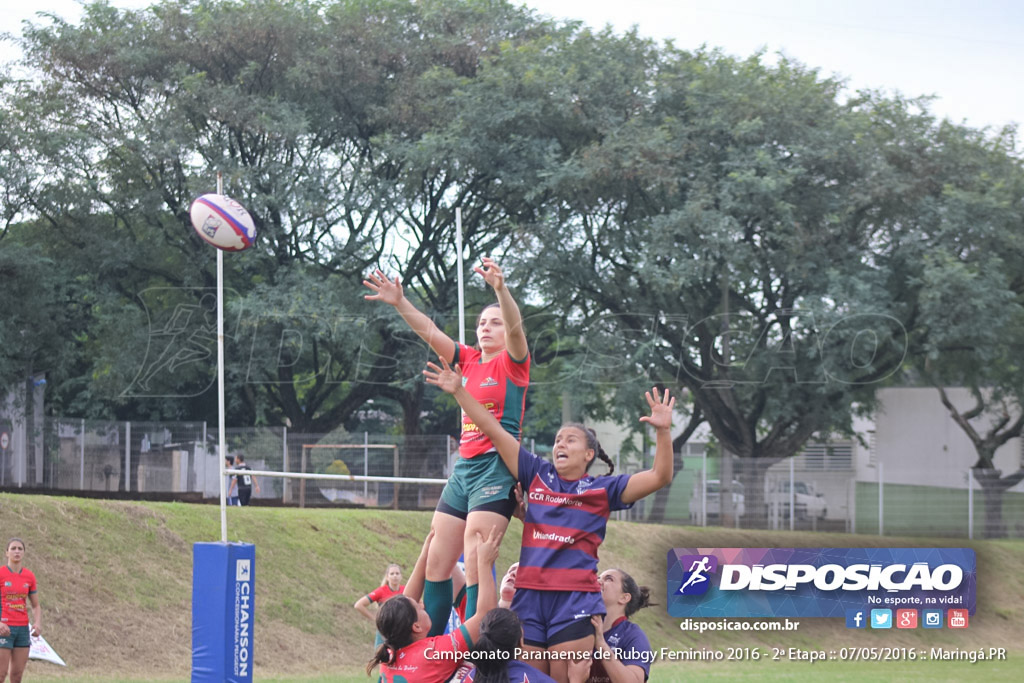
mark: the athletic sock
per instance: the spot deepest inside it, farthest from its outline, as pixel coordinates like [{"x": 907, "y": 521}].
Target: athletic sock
[
  {"x": 437, "y": 600},
  {"x": 471, "y": 593}
]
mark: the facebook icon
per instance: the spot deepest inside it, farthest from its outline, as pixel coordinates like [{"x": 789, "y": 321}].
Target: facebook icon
[{"x": 855, "y": 618}]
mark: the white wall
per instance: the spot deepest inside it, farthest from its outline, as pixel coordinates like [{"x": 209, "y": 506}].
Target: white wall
[{"x": 918, "y": 442}]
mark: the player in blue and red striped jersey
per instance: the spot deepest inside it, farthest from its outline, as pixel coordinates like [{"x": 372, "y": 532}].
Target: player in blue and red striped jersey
[
  {"x": 557, "y": 590},
  {"x": 624, "y": 652}
]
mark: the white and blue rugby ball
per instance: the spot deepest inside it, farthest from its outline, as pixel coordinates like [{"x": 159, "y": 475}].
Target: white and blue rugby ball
[{"x": 223, "y": 222}]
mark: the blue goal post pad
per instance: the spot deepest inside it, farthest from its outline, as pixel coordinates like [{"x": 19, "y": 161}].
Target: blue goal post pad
[{"x": 223, "y": 598}]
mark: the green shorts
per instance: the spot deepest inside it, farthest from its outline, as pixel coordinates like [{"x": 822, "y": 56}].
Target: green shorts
[
  {"x": 19, "y": 637},
  {"x": 480, "y": 482}
]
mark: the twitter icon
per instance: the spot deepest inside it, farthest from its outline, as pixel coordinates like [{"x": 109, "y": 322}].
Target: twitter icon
[{"x": 881, "y": 618}]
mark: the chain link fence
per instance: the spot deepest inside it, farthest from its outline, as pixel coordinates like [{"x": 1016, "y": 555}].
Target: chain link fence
[{"x": 818, "y": 490}]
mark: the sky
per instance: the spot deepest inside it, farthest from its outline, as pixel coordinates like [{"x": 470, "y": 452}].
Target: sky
[{"x": 967, "y": 53}]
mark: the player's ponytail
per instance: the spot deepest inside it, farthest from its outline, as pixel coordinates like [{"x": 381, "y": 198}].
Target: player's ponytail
[
  {"x": 500, "y": 633},
  {"x": 593, "y": 444},
  {"x": 395, "y": 620},
  {"x": 639, "y": 596}
]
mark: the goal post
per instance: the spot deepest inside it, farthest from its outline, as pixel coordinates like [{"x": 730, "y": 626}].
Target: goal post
[{"x": 336, "y": 474}]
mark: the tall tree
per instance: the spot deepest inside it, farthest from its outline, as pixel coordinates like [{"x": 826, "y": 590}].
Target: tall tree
[
  {"x": 330, "y": 122},
  {"x": 972, "y": 299},
  {"x": 727, "y": 223}
]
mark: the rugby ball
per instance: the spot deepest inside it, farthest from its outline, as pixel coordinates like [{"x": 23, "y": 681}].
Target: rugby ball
[{"x": 223, "y": 222}]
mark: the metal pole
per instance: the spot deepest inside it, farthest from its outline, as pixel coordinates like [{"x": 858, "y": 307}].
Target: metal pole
[
  {"x": 286, "y": 484},
  {"x": 81, "y": 460},
  {"x": 704, "y": 490},
  {"x": 366, "y": 464},
  {"x": 394, "y": 501},
  {"x": 792, "y": 497},
  {"x": 127, "y": 456},
  {"x": 881, "y": 504},
  {"x": 970, "y": 506},
  {"x": 222, "y": 447},
  {"x": 460, "y": 267}
]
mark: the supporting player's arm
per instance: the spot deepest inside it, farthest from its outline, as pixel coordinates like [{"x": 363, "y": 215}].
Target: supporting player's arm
[
  {"x": 487, "y": 598},
  {"x": 451, "y": 381},
  {"x": 390, "y": 292},
  {"x": 647, "y": 482},
  {"x": 414, "y": 587},
  {"x": 617, "y": 671}
]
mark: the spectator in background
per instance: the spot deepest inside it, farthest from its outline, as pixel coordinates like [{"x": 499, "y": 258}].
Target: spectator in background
[
  {"x": 229, "y": 462},
  {"x": 244, "y": 482}
]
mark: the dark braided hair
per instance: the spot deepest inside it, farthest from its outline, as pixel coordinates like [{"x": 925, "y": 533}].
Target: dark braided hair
[
  {"x": 639, "y": 596},
  {"x": 593, "y": 444},
  {"x": 500, "y": 631},
  {"x": 395, "y": 620}
]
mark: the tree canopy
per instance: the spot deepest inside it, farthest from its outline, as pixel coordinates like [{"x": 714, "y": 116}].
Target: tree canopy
[{"x": 746, "y": 231}]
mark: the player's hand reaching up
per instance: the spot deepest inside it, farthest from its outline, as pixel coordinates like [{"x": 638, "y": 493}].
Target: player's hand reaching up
[
  {"x": 491, "y": 273},
  {"x": 661, "y": 409},
  {"x": 579, "y": 670},
  {"x": 386, "y": 290},
  {"x": 487, "y": 548},
  {"x": 444, "y": 377}
]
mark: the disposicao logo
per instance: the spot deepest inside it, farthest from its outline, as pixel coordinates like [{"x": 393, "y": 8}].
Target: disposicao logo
[
  {"x": 818, "y": 582},
  {"x": 696, "y": 580}
]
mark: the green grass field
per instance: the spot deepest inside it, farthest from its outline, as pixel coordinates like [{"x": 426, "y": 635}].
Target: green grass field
[{"x": 115, "y": 586}]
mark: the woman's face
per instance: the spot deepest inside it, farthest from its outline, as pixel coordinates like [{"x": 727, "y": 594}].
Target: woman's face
[
  {"x": 490, "y": 331},
  {"x": 15, "y": 552},
  {"x": 422, "y": 618},
  {"x": 570, "y": 453},
  {"x": 508, "y": 582},
  {"x": 611, "y": 587},
  {"x": 394, "y": 576}
]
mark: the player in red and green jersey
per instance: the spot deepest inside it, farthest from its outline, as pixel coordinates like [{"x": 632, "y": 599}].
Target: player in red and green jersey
[
  {"x": 480, "y": 489},
  {"x": 17, "y": 594},
  {"x": 409, "y": 654}
]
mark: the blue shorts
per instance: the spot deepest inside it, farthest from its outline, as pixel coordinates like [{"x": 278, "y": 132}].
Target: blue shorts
[
  {"x": 551, "y": 618},
  {"x": 20, "y": 637}
]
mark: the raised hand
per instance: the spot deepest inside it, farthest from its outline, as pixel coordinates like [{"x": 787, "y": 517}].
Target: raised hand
[
  {"x": 597, "y": 621},
  {"x": 388, "y": 291},
  {"x": 491, "y": 273},
  {"x": 579, "y": 670},
  {"x": 661, "y": 409},
  {"x": 444, "y": 377},
  {"x": 487, "y": 548}
]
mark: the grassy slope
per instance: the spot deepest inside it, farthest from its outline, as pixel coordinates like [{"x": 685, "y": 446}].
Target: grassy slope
[{"x": 115, "y": 583}]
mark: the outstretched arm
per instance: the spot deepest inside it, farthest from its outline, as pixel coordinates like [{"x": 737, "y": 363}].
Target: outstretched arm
[
  {"x": 390, "y": 292},
  {"x": 414, "y": 588},
  {"x": 451, "y": 381},
  {"x": 515, "y": 335},
  {"x": 645, "y": 483},
  {"x": 487, "y": 598}
]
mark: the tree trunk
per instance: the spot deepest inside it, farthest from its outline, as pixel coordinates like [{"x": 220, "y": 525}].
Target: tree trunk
[{"x": 993, "y": 485}]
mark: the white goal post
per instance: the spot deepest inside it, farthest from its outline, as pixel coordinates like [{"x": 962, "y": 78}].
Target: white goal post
[{"x": 302, "y": 475}]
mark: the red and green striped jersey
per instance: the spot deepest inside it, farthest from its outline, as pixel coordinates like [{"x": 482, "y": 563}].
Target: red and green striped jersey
[
  {"x": 15, "y": 587},
  {"x": 500, "y": 386}
]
